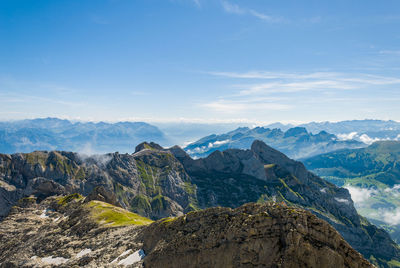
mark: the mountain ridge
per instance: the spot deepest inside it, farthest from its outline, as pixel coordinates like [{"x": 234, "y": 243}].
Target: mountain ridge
[
  {"x": 296, "y": 142},
  {"x": 159, "y": 183}
]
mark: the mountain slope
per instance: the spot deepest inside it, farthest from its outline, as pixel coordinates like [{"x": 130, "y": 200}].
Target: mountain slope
[
  {"x": 295, "y": 142},
  {"x": 157, "y": 183},
  {"x": 66, "y": 231},
  {"x": 57, "y": 134},
  {"x": 372, "y": 175},
  {"x": 150, "y": 182}
]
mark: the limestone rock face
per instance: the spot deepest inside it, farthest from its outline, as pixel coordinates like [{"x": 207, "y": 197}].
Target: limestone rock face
[
  {"x": 151, "y": 181},
  {"x": 249, "y": 236},
  {"x": 61, "y": 231}
]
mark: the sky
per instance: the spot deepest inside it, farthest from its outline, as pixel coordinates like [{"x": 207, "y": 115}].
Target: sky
[{"x": 205, "y": 61}]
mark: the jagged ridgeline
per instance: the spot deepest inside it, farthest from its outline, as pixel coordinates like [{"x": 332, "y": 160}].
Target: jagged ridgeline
[{"x": 156, "y": 183}]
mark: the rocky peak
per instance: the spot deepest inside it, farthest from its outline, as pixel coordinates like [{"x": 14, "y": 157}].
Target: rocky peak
[
  {"x": 276, "y": 132},
  {"x": 178, "y": 152},
  {"x": 269, "y": 155},
  {"x": 296, "y": 131},
  {"x": 149, "y": 146}
]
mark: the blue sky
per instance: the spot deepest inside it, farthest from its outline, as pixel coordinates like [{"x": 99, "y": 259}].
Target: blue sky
[{"x": 200, "y": 60}]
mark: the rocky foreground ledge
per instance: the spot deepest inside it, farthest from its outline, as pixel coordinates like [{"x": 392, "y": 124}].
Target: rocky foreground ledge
[{"x": 69, "y": 231}]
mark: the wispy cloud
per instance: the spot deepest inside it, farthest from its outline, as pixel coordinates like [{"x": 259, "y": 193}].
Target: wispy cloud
[
  {"x": 197, "y": 3},
  {"x": 238, "y": 10},
  {"x": 355, "y": 77},
  {"x": 29, "y": 99},
  {"x": 237, "y": 106},
  {"x": 279, "y": 90},
  {"x": 390, "y": 52},
  {"x": 295, "y": 82}
]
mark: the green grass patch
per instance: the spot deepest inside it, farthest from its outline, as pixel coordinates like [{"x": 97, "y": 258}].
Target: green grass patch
[
  {"x": 394, "y": 263},
  {"x": 269, "y": 166},
  {"x": 140, "y": 204},
  {"x": 168, "y": 220},
  {"x": 80, "y": 175},
  {"x": 158, "y": 203},
  {"x": 69, "y": 198},
  {"x": 104, "y": 213},
  {"x": 36, "y": 158}
]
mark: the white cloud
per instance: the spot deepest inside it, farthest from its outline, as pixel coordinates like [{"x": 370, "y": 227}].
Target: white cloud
[
  {"x": 368, "y": 140},
  {"x": 342, "y": 200},
  {"x": 332, "y": 78},
  {"x": 202, "y": 149},
  {"x": 391, "y": 216},
  {"x": 197, "y": 2},
  {"x": 288, "y": 87},
  {"x": 390, "y": 52},
  {"x": 232, "y": 8},
  {"x": 279, "y": 91},
  {"x": 349, "y": 136},
  {"x": 236, "y": 9},
  {"x": 217, "y": 143},
  {"x": 360, "y": 195}
]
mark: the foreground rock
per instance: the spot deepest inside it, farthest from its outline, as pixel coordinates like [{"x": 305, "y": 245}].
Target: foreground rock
[{"x": 69, "y": 232}]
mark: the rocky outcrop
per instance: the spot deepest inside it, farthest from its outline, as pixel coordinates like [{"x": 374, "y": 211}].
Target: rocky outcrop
[
  {"x": 253, "y": 235},
  {"x": 151, "y": 182},
  {"x": 64, "y": 231},
  {"x": 101, "y": 194}
]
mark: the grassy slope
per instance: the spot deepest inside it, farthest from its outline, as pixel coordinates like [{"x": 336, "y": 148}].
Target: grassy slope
[{"x": 105, "y": 213}]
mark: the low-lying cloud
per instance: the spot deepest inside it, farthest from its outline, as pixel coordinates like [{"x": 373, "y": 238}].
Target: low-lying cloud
[
  {"x": 361, "y": 198},
  {"x": 87, "y": 153},
  {"x": 205, "y": 148},
  {"x": 392, "y": 217},
  {"x": 360, "y": 195},
  {"x": 362, "y": 137}
]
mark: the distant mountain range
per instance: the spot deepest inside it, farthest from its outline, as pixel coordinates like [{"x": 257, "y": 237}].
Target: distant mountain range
[
  {"x": 88, "y": 137},
  {"x": 56, "y": 134},
  {"x": 372, "y": 175},
  {"x": 296, "y": 142},
  {"x": 367, "y": 131}
]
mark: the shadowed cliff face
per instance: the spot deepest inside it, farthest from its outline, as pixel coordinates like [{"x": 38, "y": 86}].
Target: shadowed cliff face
[
  {"x": 157, "y": 183},
  {"x": 71, "y": 231}
]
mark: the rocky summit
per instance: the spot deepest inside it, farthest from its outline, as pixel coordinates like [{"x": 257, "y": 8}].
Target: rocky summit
[
  {"x": 156, "y": 183},
  {"x": 70, "y": 231}
]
